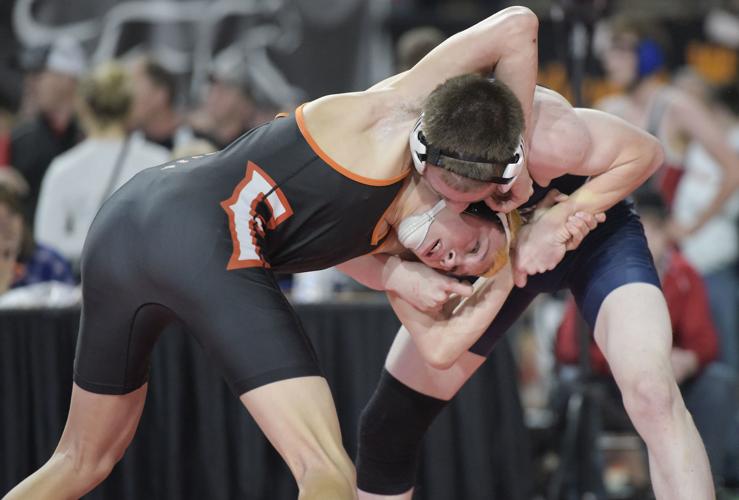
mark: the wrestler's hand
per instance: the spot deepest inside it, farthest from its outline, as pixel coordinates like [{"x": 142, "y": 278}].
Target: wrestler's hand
[
  {"x": 541, "y": 244},
  {"x": 520, "y": 192},
  {"x": 424, "y": 288}
]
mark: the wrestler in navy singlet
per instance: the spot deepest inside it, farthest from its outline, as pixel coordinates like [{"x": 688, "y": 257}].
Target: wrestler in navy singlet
[
  {"x": 612, "y": 255},
  {"x": 197, "y": 240}
]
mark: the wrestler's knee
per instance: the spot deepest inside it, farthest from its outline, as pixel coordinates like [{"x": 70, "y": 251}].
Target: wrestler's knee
[
  {"x": 327, "y": 482},
  {"x": 650, "y": 397}
]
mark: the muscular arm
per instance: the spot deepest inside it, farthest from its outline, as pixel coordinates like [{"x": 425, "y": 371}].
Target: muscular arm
[
  {"x": 505, "y": 43},
  {"x": 418, "y": 285},
  {"x": 617, "y": 157},
  {"x": 443, "y": 337},
  {"x": 620, "y": 157}
]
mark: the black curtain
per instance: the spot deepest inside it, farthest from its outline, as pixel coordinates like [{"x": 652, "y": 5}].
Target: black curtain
[{"x": 196, "y": 441}]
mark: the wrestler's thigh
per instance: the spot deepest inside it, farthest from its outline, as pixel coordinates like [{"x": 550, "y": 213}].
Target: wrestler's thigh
[{"x": 247, "y": 327}]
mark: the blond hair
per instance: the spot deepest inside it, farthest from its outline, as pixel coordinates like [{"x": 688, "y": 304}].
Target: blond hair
[{"x": 106, "y": 94}]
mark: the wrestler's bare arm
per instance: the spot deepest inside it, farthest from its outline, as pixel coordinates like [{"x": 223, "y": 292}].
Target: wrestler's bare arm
[
  {"x": 421, "y": 286},
  {"x": 617, "y": 157},
  {"x": 374, "y": 124},
  {"x": 442, "y": 337},
  {"x": 505, "y": 43}
]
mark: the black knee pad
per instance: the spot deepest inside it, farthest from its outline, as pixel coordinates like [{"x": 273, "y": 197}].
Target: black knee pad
[{"x": 391, "y": 429}]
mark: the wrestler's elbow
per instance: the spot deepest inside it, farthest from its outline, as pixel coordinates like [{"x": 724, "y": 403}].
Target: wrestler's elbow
[
  {"x": 510, "y": 24},
  {"x": 521, "y": 19},
  {"x": 440, "y": 356},
  {"x": 519, "y": 23},
  {"x": 655, "y": 155}
]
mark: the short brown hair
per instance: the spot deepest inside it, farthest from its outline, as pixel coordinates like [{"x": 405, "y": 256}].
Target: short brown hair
[{"x": 473, "y": 116}]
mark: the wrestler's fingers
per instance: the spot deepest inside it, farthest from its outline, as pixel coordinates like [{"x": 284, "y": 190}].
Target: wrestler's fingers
[
  {"x": 520, "y": 277},
  {"x": 578, "y": 230},
  {"x": 577, "y": 227},
  {"x": 588, "y": 219},
  {"x": 460, "y": 288}
]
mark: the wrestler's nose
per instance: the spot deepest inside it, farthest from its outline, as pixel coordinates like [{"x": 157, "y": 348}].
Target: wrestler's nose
[
  {"x": 449, "y": 260},
  {"x": 504, "y": 188}
]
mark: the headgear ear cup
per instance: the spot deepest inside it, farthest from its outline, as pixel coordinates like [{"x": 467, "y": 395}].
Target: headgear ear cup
[
  {"x": 418, "y": 148},
  {"x": 650, "y": 57}
]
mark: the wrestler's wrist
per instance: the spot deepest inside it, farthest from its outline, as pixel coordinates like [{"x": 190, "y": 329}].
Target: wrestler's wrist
[
  {"x": 556, "y": 216},
  {"x": 391, "y": 270}
]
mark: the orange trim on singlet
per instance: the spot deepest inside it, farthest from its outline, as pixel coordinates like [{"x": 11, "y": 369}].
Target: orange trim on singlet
[
  {"x": 378, "y": 234},
  {"x": 327, "y": 159}
]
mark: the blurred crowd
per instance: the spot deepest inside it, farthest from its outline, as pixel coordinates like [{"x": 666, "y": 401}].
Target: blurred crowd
[{"x": 80, "y": 132}]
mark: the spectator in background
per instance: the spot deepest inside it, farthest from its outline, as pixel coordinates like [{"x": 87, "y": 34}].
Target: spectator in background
[
  {"x": 714, "y": 249},
  {"x": 54, "y": 129},
  {"x": 635, "y": 58},
  {"x": 32, "y": 62},
  {"x": 709, "y": 388},
  {"x": 229, "y": 108},
  {"x": 153, "y": 111},
  {"x": 22, "y": 262},
  {"x": 245, "y": 90},
  {"x": 79, "y": 180},
  {"x": 11, "y": 239},
  {"x": 414, "y": 44}
]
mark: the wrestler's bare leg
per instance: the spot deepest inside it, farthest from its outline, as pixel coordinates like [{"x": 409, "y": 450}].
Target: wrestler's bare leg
[
  {"x": 634, "y": 332},
  {"x": 99, "y": 429},
  {"x": 406, "y": 364},
  {"x": 298, "y": 417}
]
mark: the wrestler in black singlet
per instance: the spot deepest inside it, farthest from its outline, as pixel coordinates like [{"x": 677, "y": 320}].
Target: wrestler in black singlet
[{"x": 197, "y": 240}]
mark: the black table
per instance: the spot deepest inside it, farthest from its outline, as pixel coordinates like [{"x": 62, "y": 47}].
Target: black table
[{"x": 196, "y": 441}]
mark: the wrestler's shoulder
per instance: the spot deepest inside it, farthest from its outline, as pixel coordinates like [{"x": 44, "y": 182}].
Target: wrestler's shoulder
[
  {"x": 360, "y": 109},
  {"x": 362, "y": 131}
]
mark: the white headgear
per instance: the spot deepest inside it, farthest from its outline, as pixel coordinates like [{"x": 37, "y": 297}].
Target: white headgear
[
  {"x": 413, "y": 229},
  {"x": 422, "y": 151}
]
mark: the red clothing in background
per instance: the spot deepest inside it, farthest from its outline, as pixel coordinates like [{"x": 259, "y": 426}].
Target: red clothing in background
[
  {"x": 690, "y": 314},
  {"x": 4, "y": 148}
]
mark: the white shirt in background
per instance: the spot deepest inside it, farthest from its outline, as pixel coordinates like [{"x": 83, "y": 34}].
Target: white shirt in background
[
  {"x": 75, "y": 183},
  {"x": 716, "y": 244}
]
